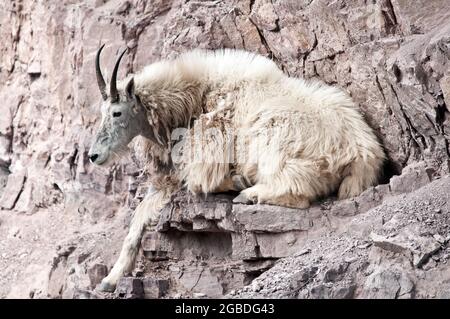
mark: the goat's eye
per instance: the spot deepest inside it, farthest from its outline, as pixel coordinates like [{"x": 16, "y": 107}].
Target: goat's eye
[{"x": 117, "y": 114}]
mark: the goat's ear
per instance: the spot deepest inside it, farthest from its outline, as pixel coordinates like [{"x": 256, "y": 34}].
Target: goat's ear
[{"x": 129, "y": 89}]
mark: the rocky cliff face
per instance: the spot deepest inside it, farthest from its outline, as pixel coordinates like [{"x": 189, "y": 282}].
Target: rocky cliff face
[{"x": 62, "y": 220}]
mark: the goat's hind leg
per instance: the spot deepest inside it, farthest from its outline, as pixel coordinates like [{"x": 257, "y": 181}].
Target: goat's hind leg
[
  {"x": 294, "y": 185},
  {"x": 263, "y": 194},
  {"x": 146, "y": 213},
  {"x": 235, "y": 182}
]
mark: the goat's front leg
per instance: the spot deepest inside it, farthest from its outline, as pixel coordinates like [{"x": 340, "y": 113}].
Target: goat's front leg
[
  {"x": 235, "y": 182},
  {"x": 147, "y": 213}
]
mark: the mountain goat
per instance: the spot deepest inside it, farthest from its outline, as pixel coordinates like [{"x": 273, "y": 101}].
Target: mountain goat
[{"x": 291, "y": 140}]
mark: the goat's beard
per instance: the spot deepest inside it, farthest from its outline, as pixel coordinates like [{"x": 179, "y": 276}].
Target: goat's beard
[
  {"x": 120, "y": 152},
  {"x": 115, "y": 155}
]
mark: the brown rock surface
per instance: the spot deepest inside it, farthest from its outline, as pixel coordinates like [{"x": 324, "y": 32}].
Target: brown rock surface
[
  {"x": 60, "y": 218},
  {"x": 395, "y": 250}
]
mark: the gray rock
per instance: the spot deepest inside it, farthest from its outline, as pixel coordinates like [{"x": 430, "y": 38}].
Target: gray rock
[
  {"x": 387, "y": 284},
  {"x": 96, "y": 273},
  {"x": 336, "y": 273},
  {"x": 12, "y": 190},
  {"x": 129, "y": 288},
  {"x": 155, "y": 288},
  {"x": 274, "y": 219},
  {"x": 412, "y": 178}
]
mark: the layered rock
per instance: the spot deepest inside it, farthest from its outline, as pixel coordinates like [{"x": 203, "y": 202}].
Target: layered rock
[
  {"x": 397, "y": 250},
  {"x": 367, "y": 247},
  {"x": 62, "y": 220}
]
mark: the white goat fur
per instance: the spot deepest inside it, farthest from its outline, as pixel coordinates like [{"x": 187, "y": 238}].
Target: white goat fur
[{"x": 322, "y": 144}]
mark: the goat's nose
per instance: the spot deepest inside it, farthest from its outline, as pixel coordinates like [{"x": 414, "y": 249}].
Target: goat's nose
[{"x": 93, "y": 157}]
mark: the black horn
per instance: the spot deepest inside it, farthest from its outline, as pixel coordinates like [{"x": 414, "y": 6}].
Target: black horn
[
  {"x": 98, "y": 72},
  {"x": 114, "y": 94}
]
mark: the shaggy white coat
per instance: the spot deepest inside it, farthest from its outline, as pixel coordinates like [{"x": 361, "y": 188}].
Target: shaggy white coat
[{"x": 294, "y": 140}]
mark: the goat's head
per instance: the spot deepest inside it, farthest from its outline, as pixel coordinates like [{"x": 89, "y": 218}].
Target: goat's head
[{"x": 123, "y": 117}]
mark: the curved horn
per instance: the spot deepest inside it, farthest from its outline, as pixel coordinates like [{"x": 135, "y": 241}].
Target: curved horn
[
  {"x": 98, "y": 71},
  {"x": 113, "y": 86}
]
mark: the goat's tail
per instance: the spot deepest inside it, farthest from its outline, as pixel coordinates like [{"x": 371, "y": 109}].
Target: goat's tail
[{"x": 365, "y": 169}]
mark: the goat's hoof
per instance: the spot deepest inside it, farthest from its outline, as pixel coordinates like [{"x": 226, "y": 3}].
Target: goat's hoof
[
  {"x": 106, "y": 287},
  {"x": 239, "y": 182},
  {"x": 242, "y": 199}
]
